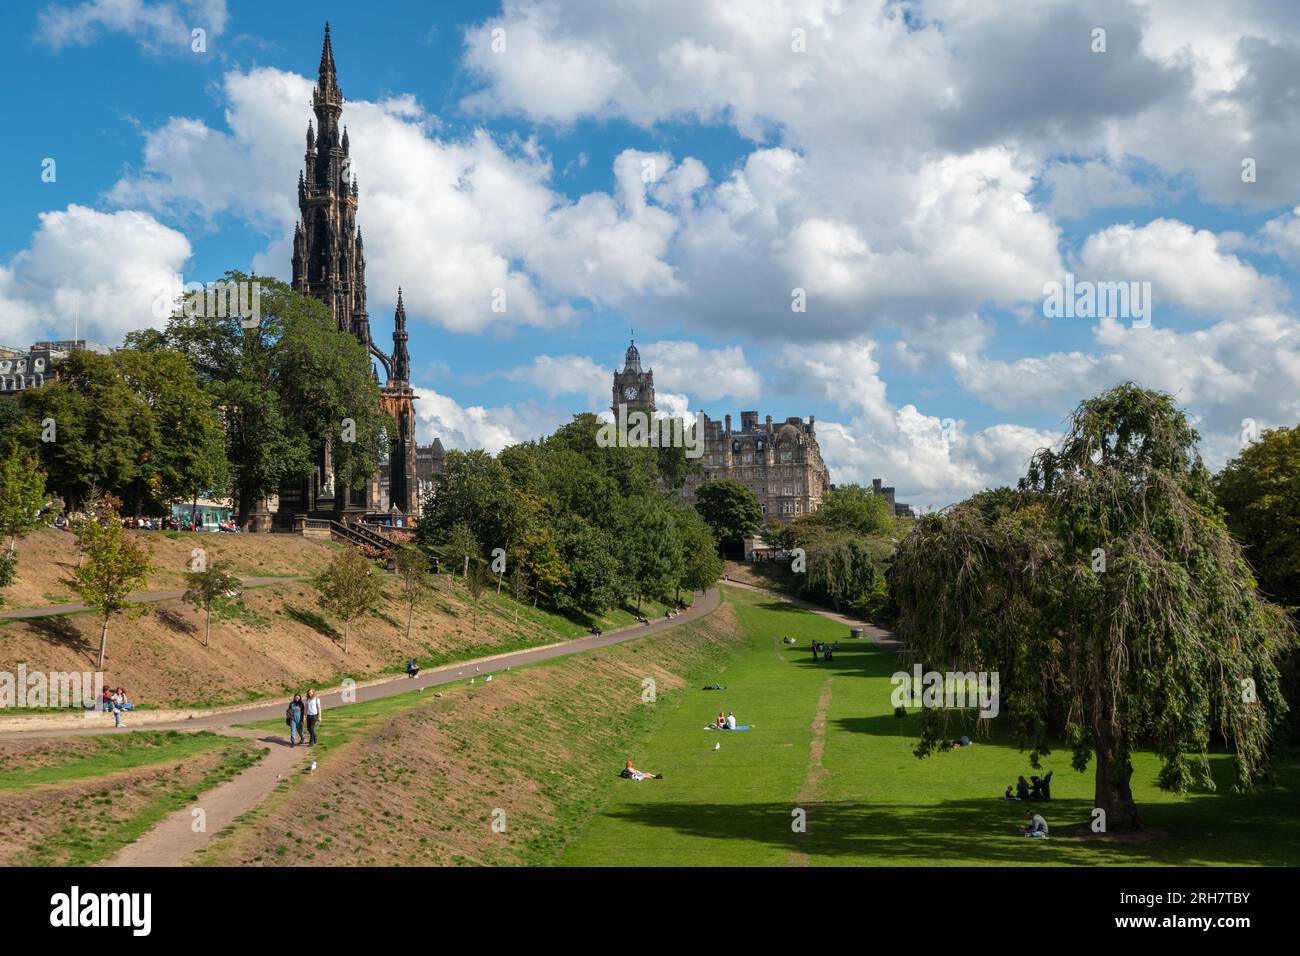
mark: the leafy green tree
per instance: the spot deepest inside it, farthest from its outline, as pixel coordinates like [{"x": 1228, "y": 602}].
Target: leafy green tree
[
  {"x": 23, "y": 498},
  {"x": 539, "y": 553},
  {"x": 700, "y": 565},
  {"x": 349, "y": 587},
  {"x": 1260, "y": 494},
  {"x": 729, "y": 508},
  {"x": 856, "y": 509},
  {"x": 286, "y": 385},
  {"x": 652, "y": 552},
  {"x": 91, "y": 428},
  {"x": 519, "y": 586},
  {"x": 779, "y": 534},
  {"x": 208, "y": 584},
  {"x": 840, "y": 572},
  {"x": 461, "y": 547},
  {"x": 113, "y": 565},
  {"x": 186, "y": 457},
  {"x": 476, "y": 582},
  {"x": 412, "y": 567},
  {"x": 475, "y": 490},
  {"x": 1111, "y": 600},
  {"x": 588, "y": 552}
]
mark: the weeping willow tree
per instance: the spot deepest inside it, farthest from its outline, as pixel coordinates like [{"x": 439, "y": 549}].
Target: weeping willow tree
[
  {"x": 840, "y": 572},
  {"x": 1109, "y": 596}
]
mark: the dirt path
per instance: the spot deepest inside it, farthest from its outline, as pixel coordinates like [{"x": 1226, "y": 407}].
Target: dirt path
[
  {"x": 816, "y": 770},
  {"x": 175, "y": 840},
  {"x": 143, "y": 597}
]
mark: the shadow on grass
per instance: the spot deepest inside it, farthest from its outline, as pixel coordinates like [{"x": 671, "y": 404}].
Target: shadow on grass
[
  {"x": 312, "y": 619},
  {"x": 61, "y": 632},
  {"x": 1197, "y": 831},
  {"x": 176, "y": 622}
]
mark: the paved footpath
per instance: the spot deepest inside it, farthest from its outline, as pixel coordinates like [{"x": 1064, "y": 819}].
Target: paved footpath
[
  {"x": 143, "y": 597},
  {"x": 881, "y": 637},
  {"x": 434, "y": 677},
  {"x": 174, "y": 841}
]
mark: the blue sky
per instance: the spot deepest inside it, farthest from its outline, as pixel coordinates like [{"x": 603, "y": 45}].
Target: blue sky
[{"x": 919, "y": 169}]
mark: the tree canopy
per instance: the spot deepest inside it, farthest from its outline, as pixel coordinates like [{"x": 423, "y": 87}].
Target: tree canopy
[{"x": 1109, "y": 596}]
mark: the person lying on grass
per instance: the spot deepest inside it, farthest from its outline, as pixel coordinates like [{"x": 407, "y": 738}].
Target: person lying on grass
[
  {"x": 631, "y": 773},
  {"x": 1037, "y": 826}
]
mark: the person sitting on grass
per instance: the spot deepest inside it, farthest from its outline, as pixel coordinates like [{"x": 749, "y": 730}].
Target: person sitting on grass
[
  {"x": 721, "y": 722},
  {"x": 731, "y": 721},
  {"x": 630, "y": 772},
  {"x": 1037, "y": 826},
  {"x": 1035, "y": 788},
  {"x": 412, "y": 669},
  {"x": 1022, "y": 789},
  {"x": 1008, "y": 795}
]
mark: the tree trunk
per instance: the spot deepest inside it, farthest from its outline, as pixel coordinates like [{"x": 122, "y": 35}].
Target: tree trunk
[
  {"x": 465, "y": 572},
  {"x": 346, "y": 626},
  {"x": 139, "y": 498},
  {"x": 207, "y": 627},
  {"x": 245, "y": 500},
  {"x": 410, "y": 615},
  {"x": 1113, "y": 793},
  {"x": 103, "y": 642}
]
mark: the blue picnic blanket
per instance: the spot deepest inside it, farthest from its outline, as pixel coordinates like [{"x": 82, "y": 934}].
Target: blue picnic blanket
[{"x": 738, "y": 727}]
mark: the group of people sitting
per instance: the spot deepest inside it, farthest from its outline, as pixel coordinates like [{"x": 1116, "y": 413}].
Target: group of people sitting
[
  {"x": 118, "y": 703},
  {"x": 674, "y": 611},
  {"x": 724, "y": 722},
  {"x": 1037, "y": 788},
  {"x": 827, "y": 651}
]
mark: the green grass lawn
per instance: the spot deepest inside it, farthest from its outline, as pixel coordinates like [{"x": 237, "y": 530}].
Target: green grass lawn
[
  {"x": 111, "y": 754},
  {"x": 868, "y": 800}
]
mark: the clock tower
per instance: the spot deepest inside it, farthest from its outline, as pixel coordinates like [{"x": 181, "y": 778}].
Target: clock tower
[{"x": 633, "y": 387}]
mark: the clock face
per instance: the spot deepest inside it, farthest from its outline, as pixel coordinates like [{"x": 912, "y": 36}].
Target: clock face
[{"x": 629, "y": 393}]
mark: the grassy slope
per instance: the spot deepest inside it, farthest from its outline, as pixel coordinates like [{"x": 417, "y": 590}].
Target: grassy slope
[
  {"x": 279, "y": 640},
  {"x": 415, "y": 779},
  {"x": 79, "y": 803},
  {"x": 868, "y": 800}
]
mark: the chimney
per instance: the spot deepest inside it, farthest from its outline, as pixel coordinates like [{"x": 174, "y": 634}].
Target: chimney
[
  {"x": 748, "y": 421},
  {"x": 728, "y": 418}
]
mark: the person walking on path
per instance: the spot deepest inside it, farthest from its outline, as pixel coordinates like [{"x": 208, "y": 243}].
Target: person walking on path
[
  {"x": 313, "y": 714},
  {"x": 293, "y": 717}
]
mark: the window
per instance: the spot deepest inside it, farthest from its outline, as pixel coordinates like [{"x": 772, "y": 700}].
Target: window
[{"x": 786, "y": 454}]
